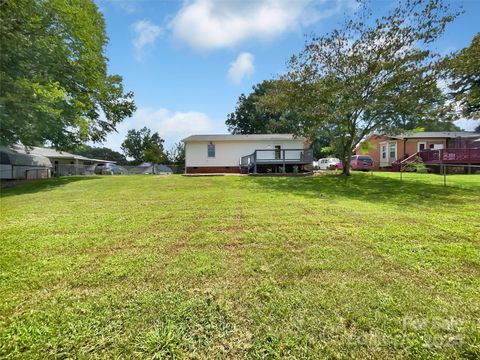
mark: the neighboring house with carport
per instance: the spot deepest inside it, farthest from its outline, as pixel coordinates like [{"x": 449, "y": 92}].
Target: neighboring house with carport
[
  {"x": 65, "y": 163},
  {"x": 255, "y": 153},
  {"x": 455, "y": 147},
  {"x": 60, "y": 163}
]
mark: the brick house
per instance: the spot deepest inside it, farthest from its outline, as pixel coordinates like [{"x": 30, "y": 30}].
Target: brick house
[{"x": 386, "y": 149}]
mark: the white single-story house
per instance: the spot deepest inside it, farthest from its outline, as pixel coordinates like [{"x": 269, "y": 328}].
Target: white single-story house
[{"x": 246, "y": 153}]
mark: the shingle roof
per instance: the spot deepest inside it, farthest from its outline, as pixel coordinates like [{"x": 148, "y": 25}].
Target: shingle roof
[
  {"x": 229, "y": 137},
  {"x": 56, "y": 154},
  {"x": 437, "y": 134},
  {"x": 52, "y": 153}
]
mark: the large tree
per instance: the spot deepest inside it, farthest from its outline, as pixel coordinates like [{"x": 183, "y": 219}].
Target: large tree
[
  {"x": 249, "y": 118},
  {"x": 100, "y": 153},
  {"x": 54, "y": 84},
  {"x": 369, "y": 75},
  {"x": 176, "y": 155},
  {"x": 463, "y": 69},
  {"x": 143, "y": 145}
]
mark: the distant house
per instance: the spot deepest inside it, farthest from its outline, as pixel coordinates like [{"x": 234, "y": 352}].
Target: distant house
[
  {"x": 60, "y": 163},
  {"x": 65, "y": 163},
  {"x": 254, "y": 153},
  {"x": 433, "y": 146}
]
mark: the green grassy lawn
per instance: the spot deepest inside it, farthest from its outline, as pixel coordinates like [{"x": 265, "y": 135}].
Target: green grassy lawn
[{"x": 241, "y": 267}]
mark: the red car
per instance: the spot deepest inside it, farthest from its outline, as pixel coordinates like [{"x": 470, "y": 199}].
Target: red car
[{"x": 361, "y": 162}]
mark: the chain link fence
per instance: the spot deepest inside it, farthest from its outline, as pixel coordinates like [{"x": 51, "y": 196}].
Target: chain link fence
[
  {"x": 440, "y": 169},
  {"x": 113, "y": 169}
]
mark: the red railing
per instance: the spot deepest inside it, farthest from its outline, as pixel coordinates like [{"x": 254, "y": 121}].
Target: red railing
[{"x": 459, "y": 156}]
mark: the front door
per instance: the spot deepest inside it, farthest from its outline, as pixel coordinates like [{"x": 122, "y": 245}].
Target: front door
[
  {"x": 388, "y": 153},
  {"x": 421, "y": 145},
  {"x": 384, "y": 154}
]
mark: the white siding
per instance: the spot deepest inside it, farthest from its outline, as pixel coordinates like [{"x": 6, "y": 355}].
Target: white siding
[{"x": 228, "y": 153}]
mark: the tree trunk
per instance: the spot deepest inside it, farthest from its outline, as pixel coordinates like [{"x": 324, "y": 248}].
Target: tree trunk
[
  {"x": 347, "y": 156},
  {"x": 346, "y": 166}
]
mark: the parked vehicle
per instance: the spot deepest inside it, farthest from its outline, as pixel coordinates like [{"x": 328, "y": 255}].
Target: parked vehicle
[
  {"x": 110, "y": 169},
  {"x": 361, "y": 162},
  {"x": 330, "y": 164}
]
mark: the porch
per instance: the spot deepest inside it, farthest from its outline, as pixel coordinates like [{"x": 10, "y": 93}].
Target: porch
[
  {"x": 275, "y": 160},
  {"x": 450, "y": 156}
]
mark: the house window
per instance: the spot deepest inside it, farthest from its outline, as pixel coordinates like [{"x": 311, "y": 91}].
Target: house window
[
  {"x": 392, "y": 151},
  {"x": 384, "y": 152},
  {"x": 277, "y": 152},
  {"x": 211, "y": 150},
  {"x": 422, "y": 146}
]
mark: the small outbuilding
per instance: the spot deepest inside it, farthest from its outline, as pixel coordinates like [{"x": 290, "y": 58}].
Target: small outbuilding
[{"x": 19, "y": 164}]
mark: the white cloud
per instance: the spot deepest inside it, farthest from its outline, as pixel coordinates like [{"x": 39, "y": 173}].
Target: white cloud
[
  {"x": 241, "y": 67},
  {"x": 146, "y": 34},
  {"x": 172, "y": 126},
  {"x": 211, "y": 24}
]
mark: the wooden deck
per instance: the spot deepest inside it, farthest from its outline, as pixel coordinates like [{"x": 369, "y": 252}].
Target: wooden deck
[
  {"x": 275, "y": 158},
  {"x": 451, "y": 156}
]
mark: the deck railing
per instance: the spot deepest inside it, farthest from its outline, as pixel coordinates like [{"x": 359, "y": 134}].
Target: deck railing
[
  {"x": 274, "y": 156},
  {"x": 459, "y": 156},
  {"x": 277, "y": 157}
]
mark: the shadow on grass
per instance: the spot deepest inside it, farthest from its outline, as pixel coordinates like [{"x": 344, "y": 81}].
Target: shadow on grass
[
  {"x": 373, "y": 189},
  {"x": 33, "y": 186}
]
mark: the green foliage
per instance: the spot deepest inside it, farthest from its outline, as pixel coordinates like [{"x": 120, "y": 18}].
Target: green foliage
[
  {"x": 321, "y": 267},
  {"x": 155, "y": 155},
  {"x": 142, "y": 145},
  {"x": 463, "y": 69},
  {"x": 100, "y": 153},
  {"x": 368, "y": 75},
  {"x": 366, "y": 147},
  {"x": 249, "y": 118},
  {"x": 55, "y": 87},
  {"x": 321, "y": 147},
  {"x": 176, "y": 155}
]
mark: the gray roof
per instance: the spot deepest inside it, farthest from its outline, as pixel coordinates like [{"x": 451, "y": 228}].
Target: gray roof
[
  {"x": 229, "y": 137},
  {"x": 22, "y": 158},
  {"x": 437, "y": 134},
  {"x": 52, "y": 153}
]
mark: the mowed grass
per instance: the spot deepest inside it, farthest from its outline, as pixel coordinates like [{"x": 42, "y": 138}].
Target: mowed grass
[{"x": 241, "y": 267}]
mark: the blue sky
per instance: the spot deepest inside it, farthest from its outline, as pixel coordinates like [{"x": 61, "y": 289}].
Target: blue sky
[{"x": 187, "y": 62}]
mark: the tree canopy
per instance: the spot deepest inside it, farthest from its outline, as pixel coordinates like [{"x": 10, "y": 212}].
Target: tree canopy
[
  {"x": 176, "y": 155},
  {"x": 55, "y": 87},
  {"x": 100, "y": 153},
  {"x": 143, "y": 145},
  {"x": 368, "y": 75},
  {"x": 463, "y": 69},
  {"x": 249, "y": 118}
]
